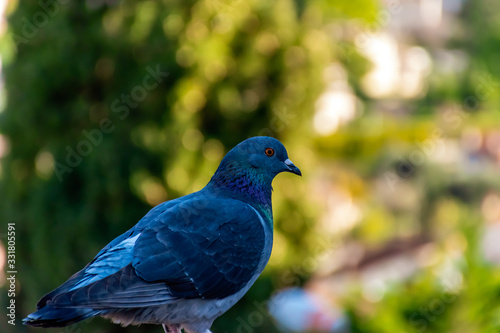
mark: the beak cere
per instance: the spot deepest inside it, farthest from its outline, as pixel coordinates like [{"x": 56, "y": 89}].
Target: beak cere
[{"x": 292, "y": 168}]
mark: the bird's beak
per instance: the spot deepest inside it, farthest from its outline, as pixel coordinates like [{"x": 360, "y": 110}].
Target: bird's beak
[{"x": 292, "y": 168}]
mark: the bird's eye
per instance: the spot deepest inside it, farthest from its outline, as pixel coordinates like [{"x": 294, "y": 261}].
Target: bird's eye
[{"x": 269, "y": 151}]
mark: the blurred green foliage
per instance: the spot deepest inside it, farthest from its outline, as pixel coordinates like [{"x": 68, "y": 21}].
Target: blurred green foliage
[{"x": 225, "y": 71}]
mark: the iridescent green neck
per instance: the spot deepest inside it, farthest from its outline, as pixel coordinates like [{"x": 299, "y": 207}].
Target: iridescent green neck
[{"x": 245, "y": 184}]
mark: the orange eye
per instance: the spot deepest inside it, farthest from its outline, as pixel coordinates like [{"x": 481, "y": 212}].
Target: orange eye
[{"x": 269, "y": 151}]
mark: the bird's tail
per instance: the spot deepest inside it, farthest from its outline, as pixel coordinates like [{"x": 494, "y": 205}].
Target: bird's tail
[{"x": 49, "y": 316}]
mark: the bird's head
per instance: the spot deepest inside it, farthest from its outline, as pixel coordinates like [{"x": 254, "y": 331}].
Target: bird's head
[
  {"x": 247, "y": 170},
  {"x": 263, "y": 155},
  {"x": 261, "y": 158}
]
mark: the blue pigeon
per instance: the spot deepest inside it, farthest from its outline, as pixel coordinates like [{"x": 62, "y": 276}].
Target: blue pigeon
[{"x": 188, "y": 260}]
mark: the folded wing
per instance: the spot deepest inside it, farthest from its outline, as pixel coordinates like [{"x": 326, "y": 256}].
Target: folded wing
[{"x": 205, "y": 248}]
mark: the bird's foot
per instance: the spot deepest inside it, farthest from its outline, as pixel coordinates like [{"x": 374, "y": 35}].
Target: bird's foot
[{"x": 171, "y": 328}]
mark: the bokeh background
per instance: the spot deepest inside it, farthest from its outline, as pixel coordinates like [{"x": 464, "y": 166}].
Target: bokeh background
[{"x": 390, "y": 109}]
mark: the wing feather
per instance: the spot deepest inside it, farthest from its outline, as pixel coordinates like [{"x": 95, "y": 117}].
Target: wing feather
[{"x": 193, "y": 250}]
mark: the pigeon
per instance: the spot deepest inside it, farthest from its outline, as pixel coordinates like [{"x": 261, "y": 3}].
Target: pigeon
[{"x": 188, "y": 260}]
